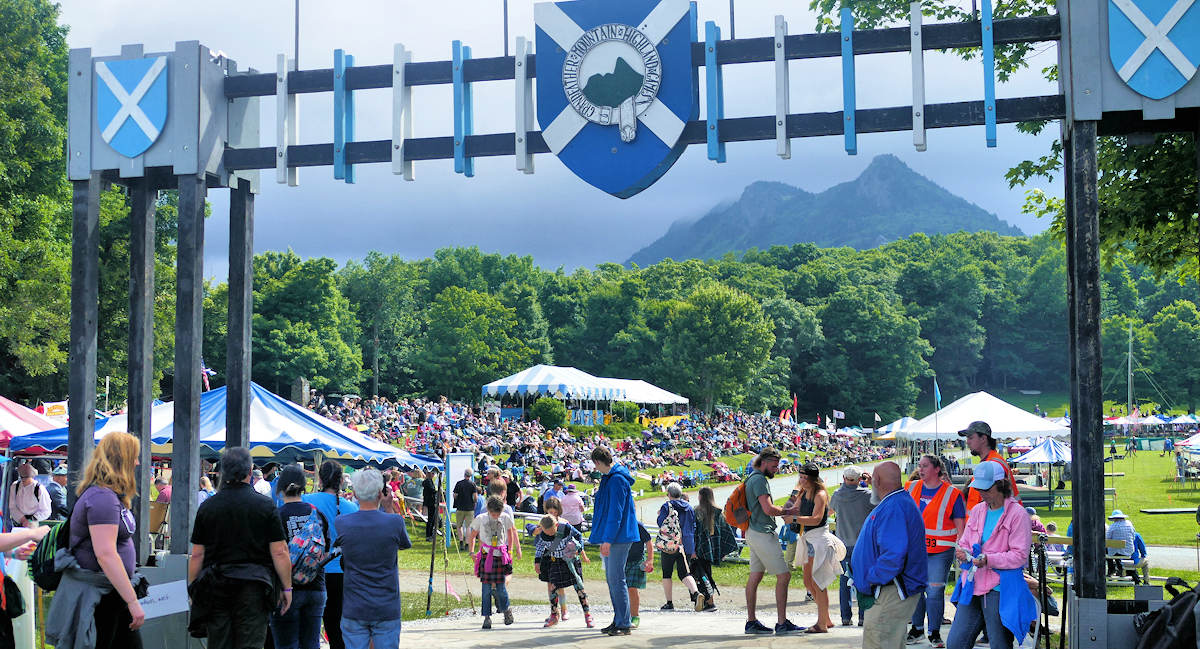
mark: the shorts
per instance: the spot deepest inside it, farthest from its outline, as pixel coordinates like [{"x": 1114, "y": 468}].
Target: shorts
[
  {"x": 635, "y": 577},
  {"x": 765, "y": 554},
  {"x": 674, "y": 561}
]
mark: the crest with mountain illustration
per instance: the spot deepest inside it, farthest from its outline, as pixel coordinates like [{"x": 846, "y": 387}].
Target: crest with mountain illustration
[{"x": 887, "y": 202}]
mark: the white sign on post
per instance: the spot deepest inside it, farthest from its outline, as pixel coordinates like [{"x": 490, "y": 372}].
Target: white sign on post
[{"x": 165, "y": 599}]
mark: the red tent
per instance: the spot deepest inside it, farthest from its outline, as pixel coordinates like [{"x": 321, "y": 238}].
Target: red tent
[{"x": 16, "y": 420}]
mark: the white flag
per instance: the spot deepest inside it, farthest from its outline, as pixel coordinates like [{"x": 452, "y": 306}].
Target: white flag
[
  {"x": 877, "y": 417},
  {"x": 838, "y": 414}
]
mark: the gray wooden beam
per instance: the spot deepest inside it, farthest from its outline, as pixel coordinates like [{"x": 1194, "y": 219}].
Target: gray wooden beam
[
  {"x": 1087, "y": 439},
  {"x": 85, "y": 308},
  {"x": 241, "y": 307},
  {"x": 189, "y": 332},
  {"x": 141, "y": 342}
]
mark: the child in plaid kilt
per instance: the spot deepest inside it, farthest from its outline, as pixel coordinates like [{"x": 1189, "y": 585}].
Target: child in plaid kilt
[
  {"x": 496, "y": 533},
  {"x": 555, "y": 560}
]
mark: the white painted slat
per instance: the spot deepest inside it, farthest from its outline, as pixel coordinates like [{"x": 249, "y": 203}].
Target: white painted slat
[
  {"x": 523, "y": 106},
  {"x": 783, "y": 144},
  {"x": 918, "y": 77},
  {"x": 401, "y": 112}
]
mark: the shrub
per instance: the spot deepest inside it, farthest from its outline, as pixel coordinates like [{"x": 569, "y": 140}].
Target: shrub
[
  {"x": 625, "y": 411},
  {"x": 550, "y": 413}
]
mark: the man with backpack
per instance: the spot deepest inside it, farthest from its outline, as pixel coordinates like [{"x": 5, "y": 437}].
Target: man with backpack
[
  {"x": 765, "y": 553},
  {"x": 676, "y": 542}
]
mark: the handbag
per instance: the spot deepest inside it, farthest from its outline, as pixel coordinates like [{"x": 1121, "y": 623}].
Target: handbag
[{"x": 11, "y": 599}]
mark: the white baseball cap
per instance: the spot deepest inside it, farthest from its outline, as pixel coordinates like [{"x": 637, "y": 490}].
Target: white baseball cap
[
  {"x": 852, "y": 473},
  {"x": 987, "y": 474}
]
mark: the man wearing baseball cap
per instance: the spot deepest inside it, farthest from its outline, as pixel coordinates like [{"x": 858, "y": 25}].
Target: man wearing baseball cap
[
  {"x": 850, "y": 504},
  {"x": 982, "y": 444}
]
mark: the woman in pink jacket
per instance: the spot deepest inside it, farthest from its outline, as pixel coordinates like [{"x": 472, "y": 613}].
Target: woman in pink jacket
[{"x": 1001, "y": 527}]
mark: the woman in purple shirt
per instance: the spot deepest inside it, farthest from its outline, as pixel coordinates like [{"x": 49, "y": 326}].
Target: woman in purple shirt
[{"x": 101, "y": 535}]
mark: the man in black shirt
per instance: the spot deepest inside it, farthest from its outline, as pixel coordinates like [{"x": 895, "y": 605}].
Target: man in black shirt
[
  {"x": 464, "y": 505},
  {"x": 238, "y": 552}
]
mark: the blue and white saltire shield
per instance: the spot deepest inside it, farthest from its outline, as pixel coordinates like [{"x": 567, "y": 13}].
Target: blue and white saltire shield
[
  {"x": 1154, "y": 44},
  {"x": 624, "y": 148},
  {"x": 131, "y": 103}
]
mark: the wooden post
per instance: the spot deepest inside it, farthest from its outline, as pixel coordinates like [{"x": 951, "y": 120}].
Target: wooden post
[
  {"x": 85, "y": 312},
  {"x": 1087, "y": 440},
  {"x": 189, "y": 318},
  {"x": 141, "y": 343},
  {"x": 241, "y": 306}
]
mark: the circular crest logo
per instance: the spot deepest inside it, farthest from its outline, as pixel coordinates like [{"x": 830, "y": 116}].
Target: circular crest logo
[{"x": 612, "y": 75}]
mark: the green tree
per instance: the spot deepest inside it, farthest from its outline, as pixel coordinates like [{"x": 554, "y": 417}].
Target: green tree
[
  {"x": 35, "y": 224},
  {"x": 303, "y": 325},
  {"x": 1176, "y": 331},
  {"x": 715, "y": 341},
  {"x": 468, "y": 343},
  {"x": 383, "y": 292},
  {"x": 874, "y": 355}
]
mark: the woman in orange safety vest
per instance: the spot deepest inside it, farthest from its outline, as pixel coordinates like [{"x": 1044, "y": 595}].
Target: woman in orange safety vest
[{"x": 945, "y": 517}]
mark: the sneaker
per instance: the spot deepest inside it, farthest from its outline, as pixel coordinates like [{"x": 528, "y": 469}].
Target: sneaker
[
  {"x": 487, "y": 622},
  {"x": 847, "y": 622},
  {"x": 709, "y": 607},
  {"x": 915, "y": 636},
  {"x": 787, "y": 628},
  {"x": 508, "y": 616},
  {"x": 754, "y": 627},
  {"x": 700, "y": 602},
  {"x": 935, "y": 639},
  {"x": 695, "y": 596},
  {"x": 860, "y": 622},
  {"x": 635, "y": 621},
  {"x": 619, "y": 631},
  {"x": 668, "y": 606},
  {"x": 587, "y": 619},
  {"x": 550, "y": 621},
  {"x": 608, "y": 628}
]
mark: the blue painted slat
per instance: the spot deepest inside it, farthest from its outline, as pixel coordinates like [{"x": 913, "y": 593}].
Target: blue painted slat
[
  {"x": 339, "y": 114},
  {"x": 715, "y": 92},
  {"x": 457, "y": 80},
  {"x": 849, "y": 106},
  {"x": 989, "y": 75}
]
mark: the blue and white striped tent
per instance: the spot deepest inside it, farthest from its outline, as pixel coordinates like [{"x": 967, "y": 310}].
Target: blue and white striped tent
[
  {"x": 554, "y": 381},
  {"x": 1050, "y": 451},
  {"x": 279, "y": 429},
  {"x": 900, "y": 424}
]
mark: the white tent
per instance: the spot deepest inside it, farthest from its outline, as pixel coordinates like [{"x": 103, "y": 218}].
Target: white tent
[
  {"x": 639, "y": 391},
  {"x": 554, "y": 381},
  {"x": 1007, "y": 421},
  {"x": 903, "y": 423}
]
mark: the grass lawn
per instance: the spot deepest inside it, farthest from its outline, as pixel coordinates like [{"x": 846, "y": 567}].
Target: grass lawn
[{"x": 1147, "y": 484}]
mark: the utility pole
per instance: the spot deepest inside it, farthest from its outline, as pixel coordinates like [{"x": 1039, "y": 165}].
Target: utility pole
[{"x": 296, "y": 53}]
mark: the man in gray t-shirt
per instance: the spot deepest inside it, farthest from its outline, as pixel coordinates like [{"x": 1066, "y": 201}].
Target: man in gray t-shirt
[
  {"x": 851, "y": 504},
  {"x": 765, "y": 552}
]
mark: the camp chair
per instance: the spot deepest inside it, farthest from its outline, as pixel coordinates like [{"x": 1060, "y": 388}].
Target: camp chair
[{"x": 159, "y": 531}]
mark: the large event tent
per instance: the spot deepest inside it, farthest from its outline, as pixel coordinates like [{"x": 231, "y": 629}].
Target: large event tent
[
  {"x": 17, "y": 421},
  {"x": 1007, "y": 421},
  {"x": 1050, "y": 451},
  {"x": 903, "y": 423},
  {"x": 554, "y": 381},
  {"x": 279, "y": 429},
  {"x": 639, "y": 391}
]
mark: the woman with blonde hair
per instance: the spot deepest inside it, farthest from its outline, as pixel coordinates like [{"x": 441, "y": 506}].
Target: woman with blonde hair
[{"x": 102, "y": 540}]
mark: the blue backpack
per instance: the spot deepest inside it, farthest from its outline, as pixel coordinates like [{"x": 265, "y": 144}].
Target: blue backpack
[{"x": 309, "y": 550}]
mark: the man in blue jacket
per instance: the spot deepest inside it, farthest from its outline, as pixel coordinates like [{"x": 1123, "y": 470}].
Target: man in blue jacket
[
  {"x": 889, "y": 561},
  {"x": 615, "y": 528}
]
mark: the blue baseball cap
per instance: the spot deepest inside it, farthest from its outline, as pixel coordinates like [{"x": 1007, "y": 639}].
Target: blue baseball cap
[{"x": 986, "y": 475}]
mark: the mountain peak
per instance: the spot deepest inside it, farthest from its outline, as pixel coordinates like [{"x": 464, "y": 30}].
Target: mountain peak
[{"x": 888, "y": 201}]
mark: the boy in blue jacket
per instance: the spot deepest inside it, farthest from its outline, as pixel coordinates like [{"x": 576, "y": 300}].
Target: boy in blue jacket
[{"x": 614, "y": 528}]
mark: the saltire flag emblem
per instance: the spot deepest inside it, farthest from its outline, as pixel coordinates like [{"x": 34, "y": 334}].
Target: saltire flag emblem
[
  {"x": 838, "y": 414},
  {"x": 1154, "y": 45},
  {"x": 616, "y": 87},
  {"x": 131, "y": 103}
]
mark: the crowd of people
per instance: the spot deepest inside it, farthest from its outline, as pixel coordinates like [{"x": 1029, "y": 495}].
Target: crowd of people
[{"x": 293, "y": 565}]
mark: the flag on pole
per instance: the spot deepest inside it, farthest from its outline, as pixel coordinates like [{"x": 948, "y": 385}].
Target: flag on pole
[
  {"x": 838, "y": 414},
  {"x": 937, "y": 395},
  {"x": 877, "y": 419},
  {"x": 205, "y": 373},
  {"x": 795, "y": 403}
]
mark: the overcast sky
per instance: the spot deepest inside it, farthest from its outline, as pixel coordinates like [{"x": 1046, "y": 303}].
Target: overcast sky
[{"x": 552, "y": 215}]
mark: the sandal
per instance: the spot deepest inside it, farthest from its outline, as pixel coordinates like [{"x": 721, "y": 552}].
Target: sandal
[{"x": 816, "y": 629}]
